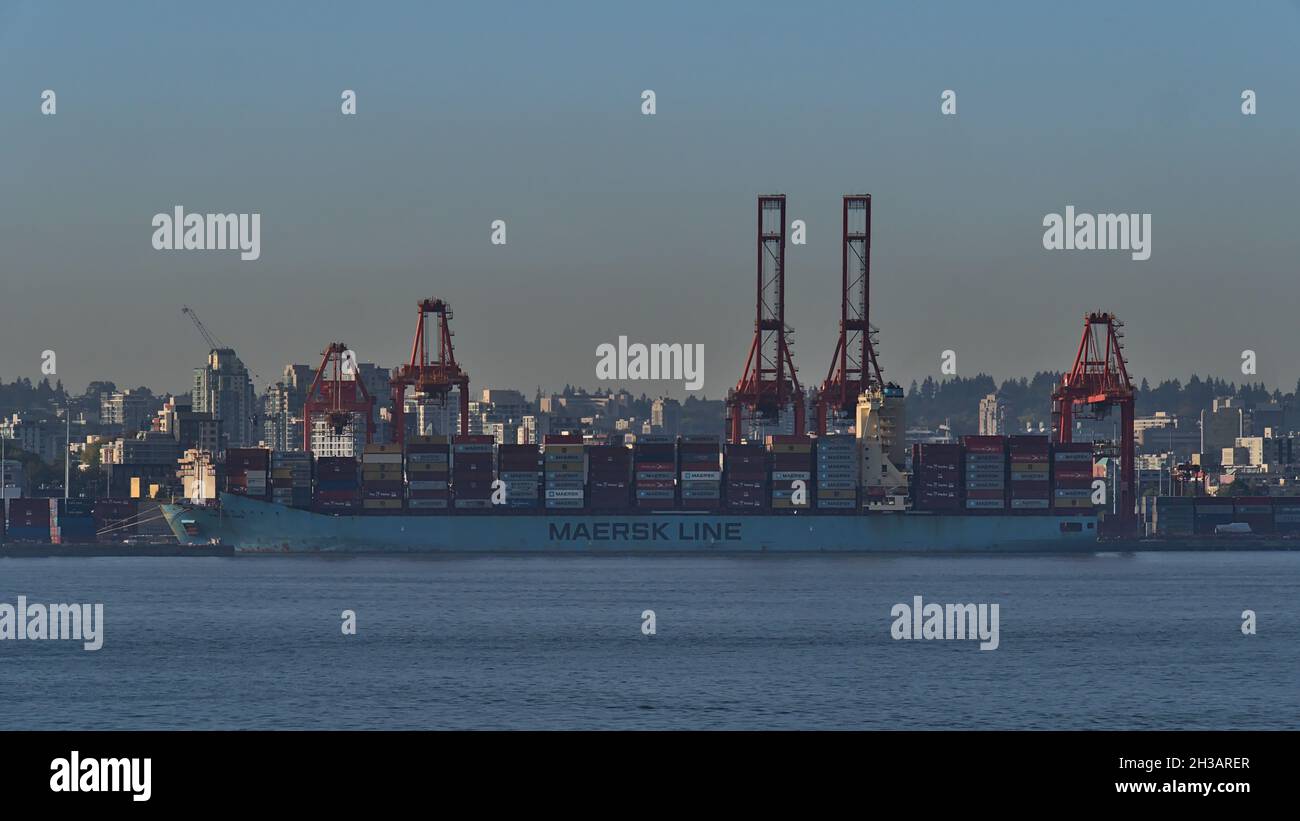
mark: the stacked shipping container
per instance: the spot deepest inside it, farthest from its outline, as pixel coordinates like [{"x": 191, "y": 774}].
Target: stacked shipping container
[
  {"x": 28, "y": 520},
  {"x": 74, "y": 522},
  {"x": 1256, "y": 511},
  {"x": 55, "y": 521},
  {"x": 381, "y": 479},
  {"x": 791, "y": 460},
  {"x": 654, "y": 460},
  {"x": 564, "y": 468},
  {"x": 291, "y": 478},
  {"x": 519, "y": 467},
  {"x": 1210, "y": 512},
  {"x": 1168, "y": 516},
  {"x": 936, "y": 477},
  {"x": 428, "y": 460},
  {"x": 471, "y": 472},
  {"x": 247, "y": 472},
  {"x": 1172, "y": 515},
  {"x": 699, "y": 472},
  {"x": 1286, "y": 515},
  {"x": 1072, "y": 477},
  {"x": 609, "y": 477},
  {"x": 986, "y": 474},
  {"x": 1031, "y": 465},
  {"x": 838, "y": 465},
  {"x": 115, "y": 519},
  {"x": 745, "y": 469},
  {"x": 337, "y": 485}
]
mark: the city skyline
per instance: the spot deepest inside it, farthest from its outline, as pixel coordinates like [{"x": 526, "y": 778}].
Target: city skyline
[{"x": 626, "y": 224}]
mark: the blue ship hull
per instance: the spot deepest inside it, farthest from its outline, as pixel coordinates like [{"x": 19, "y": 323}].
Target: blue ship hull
[{"x": 252, "y": 526}]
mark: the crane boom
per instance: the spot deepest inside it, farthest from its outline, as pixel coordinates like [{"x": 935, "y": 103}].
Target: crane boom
[{"x": 212, "y": 341}]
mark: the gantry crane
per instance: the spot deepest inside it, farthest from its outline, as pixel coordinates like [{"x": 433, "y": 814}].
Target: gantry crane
[
  {"x": 1099, "y": 381},
  {"x": 430, "y": 378},
  {"x": 854, "y": 368},
  {"x": 769, "y": 384},
  {"x": 335, "y": 397}
]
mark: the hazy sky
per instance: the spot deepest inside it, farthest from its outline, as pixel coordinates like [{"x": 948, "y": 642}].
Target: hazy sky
[{"x": 620, "y": 223}]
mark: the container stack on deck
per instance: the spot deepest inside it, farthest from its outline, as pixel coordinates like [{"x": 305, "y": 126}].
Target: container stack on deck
[
  {"x": 428, "y": 460},
  {"x": 519, "y": 467},
  {"x": 654, "y": 460},
  {"x": 1256, "y": 511},
  {"x": 291, "y": 478},
  {"x": 699, "y": 460},
  {"x": 838, "y": 465},
  {"x": 1072, "y": 477},
  {"x": 745, "y": 469},
  {"x": 986, "y": 474},
  {"x": 1209, "y": 512},
  {"x": 28, "y": 520},
  {"x": 74, "y": 522},
  {"x": 562, "y": 456},
  {"x": 609, "y": 478},
  {"x": 115, "y": 519},
  {"x": 1031, "y": 463},
  {"x": 1286, "y": 515},
  {"x": 471, "y": 472},
  {"x": 247, "y": 472},
  {"x": 337, "y": 485},
  {"x": 791, "y": 460},
  {"x": 1172, "y": 516},
  {"x": 1175, "y": 516},
  {"x": 936, "y": 477},
  {"x": 381, "y": 479}
]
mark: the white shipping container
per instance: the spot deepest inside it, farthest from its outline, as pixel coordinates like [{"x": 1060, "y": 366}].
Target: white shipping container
[
  {"x": 701, "y": 475},
  {"x": 1066, "y": 456},
  {"x": 564, "y": 494}
]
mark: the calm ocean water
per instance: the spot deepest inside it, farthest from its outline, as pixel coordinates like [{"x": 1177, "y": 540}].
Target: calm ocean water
[{"x": 1105, "y": 641}]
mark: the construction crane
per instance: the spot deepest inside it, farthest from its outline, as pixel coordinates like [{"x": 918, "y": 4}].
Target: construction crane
[
  {"x": 1099, "y": 381},
  {"x": 213, "y": 342},
  {"x": 854, "y": 368},
  {"x": 336, "y": 398},
  {"x": 430, "y": 378},
  {"x": 769, "y": 384}
]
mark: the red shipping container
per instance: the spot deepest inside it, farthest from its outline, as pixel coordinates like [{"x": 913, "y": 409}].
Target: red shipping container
[
  {"x": 655, "y": 484},
  {"x": 984, "y": 444},
  {"x": 562, "y": 439}
]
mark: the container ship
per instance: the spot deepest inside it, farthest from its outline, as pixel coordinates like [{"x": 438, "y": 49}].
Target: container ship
[{"x": 789, "y": 494}]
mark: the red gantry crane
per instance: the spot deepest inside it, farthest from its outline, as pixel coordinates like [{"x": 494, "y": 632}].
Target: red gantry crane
[
  {"x": 432, "y": 379},
  {"x": 1098, "y": 381},
  {"x": 769, "y": 383},
  {"x": 337, "y": 398},
  {"x": 854, "y": 368}
]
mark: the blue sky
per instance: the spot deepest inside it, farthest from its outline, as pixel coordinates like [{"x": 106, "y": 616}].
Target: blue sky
[{"x": 624, "y": 224}]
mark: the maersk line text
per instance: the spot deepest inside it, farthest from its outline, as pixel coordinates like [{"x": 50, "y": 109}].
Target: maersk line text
[{"x": 645, "y": 532}]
